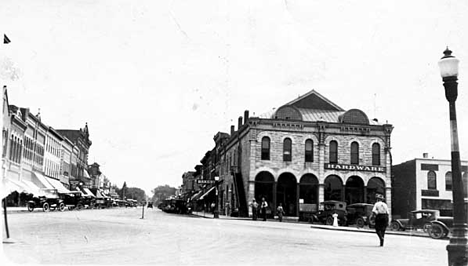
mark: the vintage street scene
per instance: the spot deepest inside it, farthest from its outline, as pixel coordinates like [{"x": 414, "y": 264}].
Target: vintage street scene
[{"x": 270, "y": 132}]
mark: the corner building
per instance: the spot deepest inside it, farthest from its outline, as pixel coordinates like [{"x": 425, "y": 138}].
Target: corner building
[{"x": 305, "y": 152}]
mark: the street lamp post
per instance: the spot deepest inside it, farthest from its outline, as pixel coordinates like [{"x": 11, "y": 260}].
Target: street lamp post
[
  {"x": 457, "y": 248},
  {"x": 216, "y": 211}
]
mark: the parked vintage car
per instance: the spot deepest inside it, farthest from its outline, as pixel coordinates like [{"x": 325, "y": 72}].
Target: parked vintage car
[
  {"x": 50, "y": 200},
  {"x": 429, "y": 221},
  {"x": 327, "y": 209},
  {"x": 74, "y": 200},
  {"x": 360, "y": 214}
]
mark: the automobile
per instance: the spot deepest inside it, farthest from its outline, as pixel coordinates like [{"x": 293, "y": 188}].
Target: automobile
[
  {"x": 48, "y": 201},
  {"x": 441, "y": 227},
  {"x": 418, "y": 219},
  {"x": 73, "y": 200},
  {"x": 327, "y": 209},
  {"x": 360, "y": 214}
]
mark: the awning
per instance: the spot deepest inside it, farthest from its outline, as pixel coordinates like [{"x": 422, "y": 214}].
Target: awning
[
  {"x": 98, "y": 194},
  {"x": 86, "y": 175},
  {"x": 88, "y": 192},
  {"x": 196, "y": 195},
  {"x": 43, "y": 181},
  {"x": 58, "y": 185},
  {"x": 206, "y": 193},
  {"x": 10, "y": 184}
]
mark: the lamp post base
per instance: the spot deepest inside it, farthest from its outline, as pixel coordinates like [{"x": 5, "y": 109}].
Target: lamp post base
[
  {"x": 216, "y": 214},
  {"x": 457, "y": 254}
]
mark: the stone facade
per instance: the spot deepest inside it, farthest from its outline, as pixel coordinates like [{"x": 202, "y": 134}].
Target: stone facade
[{"x": 299, "y": 184}]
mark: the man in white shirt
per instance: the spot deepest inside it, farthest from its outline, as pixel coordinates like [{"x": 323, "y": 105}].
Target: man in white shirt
[{"x": 380, "y": 211}]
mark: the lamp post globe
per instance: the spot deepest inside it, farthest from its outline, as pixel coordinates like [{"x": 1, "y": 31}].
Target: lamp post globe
[{"x": 458, "y": 246}]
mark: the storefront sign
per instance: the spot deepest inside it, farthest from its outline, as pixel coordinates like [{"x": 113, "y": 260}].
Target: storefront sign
[
  {"x": 348, "y": 167},
  {"x": 205, "y": 181}
]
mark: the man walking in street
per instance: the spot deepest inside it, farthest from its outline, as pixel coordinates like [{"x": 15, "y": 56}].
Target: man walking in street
[{"x": 380, "y": 212}]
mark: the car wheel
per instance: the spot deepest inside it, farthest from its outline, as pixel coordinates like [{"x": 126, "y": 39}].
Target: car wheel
[
  {"x": 360, "y": 222},
  {"x": 46, "y": 207},
  {"x": 395, "y": 226},
  {"x": 61, "y": 207},
  {"x": 79, "y": 206},
  {"x": 329, "y": 220},
  {"x": 427, "y": 227},
  {"x": 30, "y": 207},
  {"x": 437, "y": 231}
]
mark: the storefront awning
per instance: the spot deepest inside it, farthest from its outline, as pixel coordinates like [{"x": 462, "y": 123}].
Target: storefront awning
[
  {"x": 88, "y": 192},
  {"x": 207, "y": 192},
  {"x": 86, "y": 175},
  {"x": 42, "y": 179},
  {"x": 58, "y": 185},
  {"x": 196, "y": 195},
  {"x": 10, "y": 185}
]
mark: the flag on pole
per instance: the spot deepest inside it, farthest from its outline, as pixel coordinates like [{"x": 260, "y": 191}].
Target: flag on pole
[{"x": 5, "y": 39}]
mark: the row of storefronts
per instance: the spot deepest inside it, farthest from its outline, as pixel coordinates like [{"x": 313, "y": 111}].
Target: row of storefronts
[{"x": 36, "y": 157}]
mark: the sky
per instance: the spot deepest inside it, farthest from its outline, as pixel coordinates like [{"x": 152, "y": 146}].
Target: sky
[{"x": 156, "y": 80}]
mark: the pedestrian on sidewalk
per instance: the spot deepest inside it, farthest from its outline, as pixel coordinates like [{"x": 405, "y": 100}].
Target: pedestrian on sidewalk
[
  {"x": 254, "y": 205},
  {"x": 280, "y": 212},
  {"x": 263, "y": 207},
  {"x": 380, "y": 212}
]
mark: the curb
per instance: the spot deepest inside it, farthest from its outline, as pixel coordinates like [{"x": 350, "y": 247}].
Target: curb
[{"x": 324, "y": 227}]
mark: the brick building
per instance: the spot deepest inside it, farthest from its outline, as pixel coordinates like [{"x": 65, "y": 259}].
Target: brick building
[
  {"x": 424, "y": 183},
  {"x": 305, "y": 152}
]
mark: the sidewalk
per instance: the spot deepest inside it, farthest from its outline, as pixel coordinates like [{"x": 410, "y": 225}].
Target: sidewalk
[
  {"x": 321, "y": 226},
  {"x": 20, "y": 209}
]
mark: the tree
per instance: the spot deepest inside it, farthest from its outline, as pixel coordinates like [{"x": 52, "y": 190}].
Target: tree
[
  {"x": 136, "y": 193},
  {"x": 161, "y": 193},
  {"x": 124, "y": 190}
]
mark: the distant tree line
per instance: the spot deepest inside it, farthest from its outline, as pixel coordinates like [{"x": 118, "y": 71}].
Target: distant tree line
[
  {"x": 131, "y": 193},
  {"x": 161, "y": 193}
]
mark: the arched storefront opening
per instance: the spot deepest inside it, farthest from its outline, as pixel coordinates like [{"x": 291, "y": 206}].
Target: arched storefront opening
[
  {"x": 333, "y": 188},
  {"x": 308, "y": 196},
  {"x": 264, "y": 183},
  {"x": 375, "y": 185},
  {"x": 354, "y": 191},
  {"x": 286, "y": 193}
]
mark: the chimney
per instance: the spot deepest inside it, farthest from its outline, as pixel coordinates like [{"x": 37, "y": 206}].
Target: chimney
[
  {"x": 232, "y": 130},
  {"x": 425, "y": 155},
  {"x": 25, "y": 113},
  {"x": 246, "y": 116},
  {"x": 239, "y": 123}
]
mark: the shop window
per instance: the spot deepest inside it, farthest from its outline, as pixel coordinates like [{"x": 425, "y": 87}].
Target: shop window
[
  {"x": 354, "y": 153},
  {"x": 431, "y": 180},
  {"x": 287, "y": 149},
  {"x": 309, "y": 150},
  {"x": 375, "y": 154},
  {"x": 265, "y": 148},
  {"x": 333, "y": 152}
]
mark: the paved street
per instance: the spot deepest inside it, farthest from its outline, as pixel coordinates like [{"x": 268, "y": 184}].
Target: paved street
[{"x": 119, "y": 236}]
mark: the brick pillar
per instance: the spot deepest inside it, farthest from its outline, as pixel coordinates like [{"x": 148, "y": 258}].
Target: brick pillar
[{"x": 321, "y": 193}]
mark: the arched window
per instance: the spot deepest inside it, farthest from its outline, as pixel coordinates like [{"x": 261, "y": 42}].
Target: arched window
[
  {"x": 287, "y": 149},
  {"x": 333, "y": 152},
  {"x": 431, "y": 180},
  {"x": 448, "y": 181},
  {"x": 265, "y": 148},
  {"x": 354, "y": 153},
  {"x": 309, "y": 150},
  {"x": 375, "y": 154}
]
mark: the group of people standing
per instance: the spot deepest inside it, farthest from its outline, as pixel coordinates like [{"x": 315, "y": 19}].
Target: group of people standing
[
  {"x": 262, "y": 209},
  {"x": 379, "y": 214}
]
